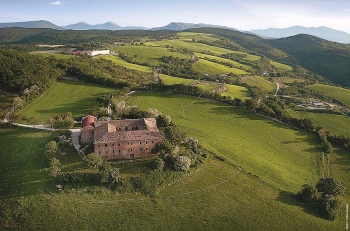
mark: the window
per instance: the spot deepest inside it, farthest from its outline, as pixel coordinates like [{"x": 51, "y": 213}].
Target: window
[
  {"x": 119, "y": 151},
  {"x": 140, "y": 149},
  {"x": 119, "y": 129},
  {"x": 126, "y": 128},
  {"x": 140, "y": 142},
  {"x": 132, "y": 156},
  {"x": 99, "y": 152},
  {"x": 105, "y": 145},
  {"x": 146, "y": 149},
  {"x": 152, "y": 141},
  {"x": 99, "y": 146},
  {"x": 113, "y": 151},
  {"x": 118, "y": 144},
  {"x": 146, "y": 142},
  {"x": 106, "y": 152},
  {"x": 112, "y": 145}
]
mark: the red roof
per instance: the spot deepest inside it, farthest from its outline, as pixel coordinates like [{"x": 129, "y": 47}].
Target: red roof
[{"x": 88, "y": 121}]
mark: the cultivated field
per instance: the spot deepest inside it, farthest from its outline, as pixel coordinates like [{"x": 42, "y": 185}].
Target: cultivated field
[
  {"x": 117, "y": 60},
  {"x": 207, "y": 67},
  {"x": 150, "y": 55},
  {"x": 336, "y": 124},
  {"x": 340, "y": 94},
  {"x": 281, "y": 66},
  {"x": 283, "y": 157},
  {"x": 199, "y": 55},
  {"x": 66, "y": 96},
  {"x": 214, "y": 197},
  {"x": 260, "y": 82}
]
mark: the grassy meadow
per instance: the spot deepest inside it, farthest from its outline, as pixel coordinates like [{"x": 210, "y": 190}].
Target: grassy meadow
[
  {"x": 146, "y": 54},
  {"x": 117, "y": 60},
  {"x": 188, "y": 36},
  {"x": 66, "y": 96},
  {"x": 236, "y": 91},
  {"x": 207, "y": 67},
  {"x": 283, "y": 157},
  {"x": 336, "y": 124},
  {"x": 281, "y": 66},
  {"x": 340, "y": 94},
  {"x": 260, "y": 82},
  {"x": 170, "y": 80},
  {"x": 247, "y": 67}
]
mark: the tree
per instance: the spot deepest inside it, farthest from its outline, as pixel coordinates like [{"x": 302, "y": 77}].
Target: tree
[
  {"x": 158, "y": 164},
  {"x": 174, "y": 135},
  {"x": 163, "y": 120},
  {"x": 51, "y": 149},
  {"x": 55, "y": 167},
  {"x": 93, "y": 160},
  {"x": 163, "y": 148},
  {"x": 114, "y": 175},
  {"x": 104, "y": 170},
  {"x": 327, "y": 147},
  {"x": 308, "y": 194},
  {"x": 182, "y": 163},
  {"x": 330, "y": 186}
]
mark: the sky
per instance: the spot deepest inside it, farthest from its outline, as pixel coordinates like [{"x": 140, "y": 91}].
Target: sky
[{"x": 239, "y": 14}]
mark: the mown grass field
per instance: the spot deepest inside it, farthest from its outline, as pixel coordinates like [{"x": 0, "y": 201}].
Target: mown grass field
[
  {"x": 117, "y": 60},
  {"x": 236, "y": 91},
  {"x": 66, "y": 96},
  {"x": 338, "y": 93},
  {"x": 207, "y": 67},
  {"x": 281, "y": 66},
  {"x": 188, "y": 36},
  {"x": 336, "y": 124},
  {"x": 199, "y": 55},
  {"x": 170, "y": 80},
  {"x": 150, "y": 55},
  {"x": 260, "y": 82},
  {"x": 214, "y": 197},
  {"x": 281, "y": 156}
]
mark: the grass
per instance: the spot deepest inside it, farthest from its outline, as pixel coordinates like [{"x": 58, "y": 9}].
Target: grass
[
  {"x": 338, "y": 93},
  {"x": 281, "y": 156},
  {"x": 288, "y": 80},
  {"x": 260, "y": 82},
  {"x": 170, "y": 80},
  {"x": 281, "y": 66},
  {"x": 188, "y": 36},
  {"x": 207, "y": 67},
  {"x": 336, "y": 124},
  {"x": 247, "y": 67},
  {"x": 66, "y": 96},
  {"x": 150, "y": 55},
  {"x": 57, "y": 56},
  {"x": 236, "y": 91},
  {"x": 119, "y": 61}
]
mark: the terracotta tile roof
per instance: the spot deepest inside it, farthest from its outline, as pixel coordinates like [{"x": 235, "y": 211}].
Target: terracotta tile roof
[{"x": 108, "y": 131}]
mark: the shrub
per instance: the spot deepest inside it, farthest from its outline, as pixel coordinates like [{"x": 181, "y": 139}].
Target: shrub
[
  {"x": 93, "y": 160},
  {"x": 158, "y": 164},
  {"x": 182, "y": 163}
]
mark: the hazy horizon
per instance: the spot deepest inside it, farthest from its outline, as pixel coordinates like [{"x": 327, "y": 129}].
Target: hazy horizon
[{"x": 242, "y": 15}]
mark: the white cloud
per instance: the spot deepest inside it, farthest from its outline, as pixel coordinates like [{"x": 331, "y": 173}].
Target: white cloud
[{"x": 56, "y": 3}]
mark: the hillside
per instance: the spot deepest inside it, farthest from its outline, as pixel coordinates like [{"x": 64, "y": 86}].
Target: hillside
[
  {"x": 180, "y": 26},
  {"x": 321, "y": 32},
  {"x": 31, "y": 24}
]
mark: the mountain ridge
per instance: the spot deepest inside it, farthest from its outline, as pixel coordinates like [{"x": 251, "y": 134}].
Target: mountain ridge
[
  {"x": 321, "y": 32},
  {"x": 31, "y": 24}
]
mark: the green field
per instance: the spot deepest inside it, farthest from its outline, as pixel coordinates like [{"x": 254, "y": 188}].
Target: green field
[
  {"x": 236, "y": 91},
  {"x": 117, "y": 60},
  {"x": 170, "y": 80},
  {"x": 66, "y": 96},
  {"x": 336, "y": 124},
  {"x": 283, "y": 157},
  {"x": 57, "y": 56},
  {"x": 188, "y": 36},
  {"x": 338, "y": 93},
  {"x": 288, "y": 80},
  {"x": 207, "y": 67},
  {"x": 281, "y": 66},
  {"x": 150, "y": 55},
  {"x": 199, "y": 55},
  {"x": 214, "y": 197},
  {"x": 260, "y": 82}
]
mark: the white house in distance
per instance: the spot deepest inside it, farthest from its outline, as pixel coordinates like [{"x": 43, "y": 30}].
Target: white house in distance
[{"x": 98, "y": 52}]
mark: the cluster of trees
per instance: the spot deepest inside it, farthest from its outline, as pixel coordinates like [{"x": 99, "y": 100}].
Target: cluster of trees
[
  {"x": 323, "y": 195},
  {"x": 61, "y": 121},
  {"x": 178, "y": 67}
]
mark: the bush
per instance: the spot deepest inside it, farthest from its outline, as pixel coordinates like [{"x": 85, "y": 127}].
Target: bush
[
  {"x": 328, "y": 207},
  {"x": 182, "y": 163},
  {"x": 93, "y": 160},
  {"x": 307, "y": 194},
  {"x": 158, "y": 164},
  {"x": 51, "y": 149}
]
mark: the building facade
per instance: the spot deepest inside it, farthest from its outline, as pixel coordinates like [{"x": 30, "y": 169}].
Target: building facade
[{"x": 121, "y": 139}]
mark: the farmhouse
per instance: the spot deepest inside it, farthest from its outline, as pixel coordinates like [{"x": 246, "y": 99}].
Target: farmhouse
[
  {"x": 121, "y": 139},
  {"x": 91, "y": 53}
]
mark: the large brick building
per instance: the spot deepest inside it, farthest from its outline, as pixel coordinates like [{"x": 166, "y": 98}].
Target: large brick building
[{"x": 121, "y": 139}]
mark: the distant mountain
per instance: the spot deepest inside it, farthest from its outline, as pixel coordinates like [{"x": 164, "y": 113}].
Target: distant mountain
[
  {"x": 31, "y": 24},
  {"x": 321, "y": 32},
  {"x": 105, "y": 26},
  {"x": 179, "y": 26}
]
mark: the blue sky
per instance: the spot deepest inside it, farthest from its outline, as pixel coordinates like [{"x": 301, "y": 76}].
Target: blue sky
[{"x": 239, "y": 14}]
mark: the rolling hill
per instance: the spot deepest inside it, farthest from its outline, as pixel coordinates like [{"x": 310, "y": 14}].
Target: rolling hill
[
  {"x": 179, "y": 26},
  {"x": 321, "y": 32},
  {"x": 31, "y": 24}
]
